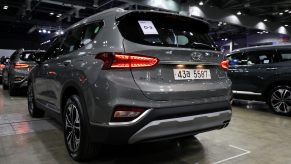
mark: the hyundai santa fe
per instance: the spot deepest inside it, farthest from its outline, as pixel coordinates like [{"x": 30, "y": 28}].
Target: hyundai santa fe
[
  {"x": 124, "y": 77},
  {"x": 16, "y": 71},
  {"x": 263, "y": 73}
]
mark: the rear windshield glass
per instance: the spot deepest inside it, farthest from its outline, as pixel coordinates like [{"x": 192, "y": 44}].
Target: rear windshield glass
[
  {"x": 28, "y": 56},
  {"x": 167, "y": 30}
]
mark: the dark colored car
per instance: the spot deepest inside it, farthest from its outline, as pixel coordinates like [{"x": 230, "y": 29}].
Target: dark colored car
[
  {"x": 124, "y": 77},
  {"x": 3, "y": 61},
  {"x": 16, "y": 71},
  {"x": 264, "y": 74}
]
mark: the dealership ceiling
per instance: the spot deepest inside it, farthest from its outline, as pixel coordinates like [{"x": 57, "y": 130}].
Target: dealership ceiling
[{"x": 36, "y": 18}]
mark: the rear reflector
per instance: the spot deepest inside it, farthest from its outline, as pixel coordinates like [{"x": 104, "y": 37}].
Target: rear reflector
[
  {"x": 224, "y": 65},
  {"x": 119, "y": 60},
  {"x": 21, "y": 65},
  {"x": 125, "y": 114}
]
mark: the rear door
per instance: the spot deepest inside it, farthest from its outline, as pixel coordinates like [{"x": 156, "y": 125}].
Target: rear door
[
  {"x": 61, "y": 69},
  {"x": 189, "y": 63},
  {"x": 254, "y": 68},
  {"x": 42, "y": 78}
]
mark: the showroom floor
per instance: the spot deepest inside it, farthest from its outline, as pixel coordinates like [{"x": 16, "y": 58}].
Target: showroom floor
[{"x": 255, "y": 135}]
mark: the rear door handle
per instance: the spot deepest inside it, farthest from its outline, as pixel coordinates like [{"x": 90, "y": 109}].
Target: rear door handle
[{"x": 67, "y": 62}]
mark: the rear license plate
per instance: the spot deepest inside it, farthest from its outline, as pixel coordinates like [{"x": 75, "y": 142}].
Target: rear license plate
[{"x": 191, "y": 74}]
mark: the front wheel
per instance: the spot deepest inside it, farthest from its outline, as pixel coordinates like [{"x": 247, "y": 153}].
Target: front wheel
[
  {"x": 76, "y": 131},
  {"x": 279, "y": 100}
]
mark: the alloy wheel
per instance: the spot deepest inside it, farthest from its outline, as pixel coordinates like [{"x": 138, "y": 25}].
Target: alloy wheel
[
  {"x": 281, "y": 100},
  {"x": 72, "y": 128}
]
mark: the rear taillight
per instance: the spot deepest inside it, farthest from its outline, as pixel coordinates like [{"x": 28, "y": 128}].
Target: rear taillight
[
  {"x": 21, "y": 65},
  {"x": 119, "y": 60},
  {"x": 224, "y": 65},
  {"x": 2, "y": 66},
  {"x": 125, "y": 114}
]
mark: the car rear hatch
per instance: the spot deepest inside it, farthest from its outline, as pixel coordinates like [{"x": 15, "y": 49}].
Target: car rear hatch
[
  {"x": 189, "y": 64},
  {"x": 26, "y": 61}
]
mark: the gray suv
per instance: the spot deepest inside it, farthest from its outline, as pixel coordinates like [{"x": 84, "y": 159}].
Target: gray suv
[
  {"x": 122, "y": 77},
  {"x": 264, "y": 74},
  {"x": 16, "y": 71}
]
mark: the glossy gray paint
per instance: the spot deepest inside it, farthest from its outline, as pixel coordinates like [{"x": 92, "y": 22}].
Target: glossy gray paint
[
  {"x": 258, "y": 79},
  {"x": 103, "y": 90},
  {"x": 9, "y": 72}
]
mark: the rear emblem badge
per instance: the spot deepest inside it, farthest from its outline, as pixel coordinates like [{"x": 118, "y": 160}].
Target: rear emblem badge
[{"x": 196, "y": 56}]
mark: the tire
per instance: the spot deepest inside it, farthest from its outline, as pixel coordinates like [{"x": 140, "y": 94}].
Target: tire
[
  {"x": 12, "y": 90},
  {"x": 33, "y": 110},
  {"x": 279, "y": 100},
  {"x": 76, "y": 135},
  {"x": 5, "y": 86}
]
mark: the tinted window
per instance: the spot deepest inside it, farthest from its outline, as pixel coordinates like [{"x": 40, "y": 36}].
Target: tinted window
[
  {"x": 259, "y": 57},
  {"x": 28, "y": 56},
  {"x": 235, "y": 59},
  {"x": 80, "y": 36},
  {"x": 54, "y": 50},
  {"x": 284, "y": 55},
  {"x": 165, "y": 30}
]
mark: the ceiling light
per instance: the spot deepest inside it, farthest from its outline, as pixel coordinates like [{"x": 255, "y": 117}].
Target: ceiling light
[
  {"x": 62, "y": 32},
  {"x": 44, "y": 31},
  {"x": 286, "y": 11},
  {"x": 265, "y": 20},
  {"x": 286, "y": 25},
  {"x": 281, "y": 13},
  {"x": 201, "y": 3},
  {"x": 52, "y": 13},
  {"x": 238, "y": 13},
  {"x": 59, "y": 15},
  {"x": 48, "y": 32},
  {"x": 57, "y": 33},
  {"x": 5, "y": 7},
  {"x": 39, "y": 31},
  {"x": 224, "y": 23}
]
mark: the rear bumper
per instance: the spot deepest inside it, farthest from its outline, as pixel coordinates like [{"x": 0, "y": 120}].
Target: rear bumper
[
  {"x": 20, "y": 84},
  {"x": 180, "y": 125},
  {"x": 164, "y": 123}
]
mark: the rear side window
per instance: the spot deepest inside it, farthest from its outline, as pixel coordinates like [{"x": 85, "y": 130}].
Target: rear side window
[
  {"x": 284, "y": 55},
  {"x": 26, "y": 56},
  {"x": 260, "y": 57},
  {"x": 166, "y": 30},
  {"x": 235, "y": 59},
  {"x": 54, "y": 50},
  {"x": 80, "y": 36},
  {"x": 253, "y": 57}
]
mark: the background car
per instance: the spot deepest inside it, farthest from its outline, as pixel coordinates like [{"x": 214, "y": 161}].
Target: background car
[
  {"x": 264, "y": 74},
  {"x": 16, "y": 71},
  {"x": 3, "y": 61},
  {"x": 129, "y": 77}
]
